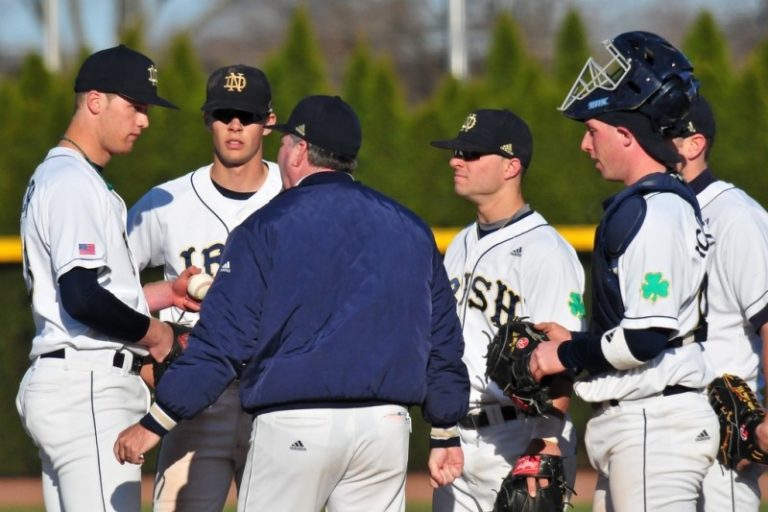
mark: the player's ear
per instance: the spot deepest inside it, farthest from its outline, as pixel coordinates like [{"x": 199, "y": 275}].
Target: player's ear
[
  {"x": 95, "y": 101},
  {"x": 512, "y": 168},
  {"x": 207, "y": 119},
  {"x": 270, "y": 119},
  {"x": 627, "y": 137}
]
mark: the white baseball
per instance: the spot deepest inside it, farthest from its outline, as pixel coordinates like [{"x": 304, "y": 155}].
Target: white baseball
[{"x": 198, "y": 285}]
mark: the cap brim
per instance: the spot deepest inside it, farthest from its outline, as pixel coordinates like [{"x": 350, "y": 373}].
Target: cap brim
[
  {"x": 461, "y": 145},
  {"x": 285, "y": 128},
  {"x": 150, "y": 100},
  {"x": 210, "y": 106}
]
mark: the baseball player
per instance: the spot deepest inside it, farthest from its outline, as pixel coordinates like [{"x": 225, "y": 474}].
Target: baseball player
[
  {"x": 654, "y": 434},
  {"x": 334, "y": 309},
  {"x": 186, "y": 222},
  {"x": 508, "y": 263},
  {"x": 737, "y": 290},
  {"x": 91, "y": 317}
]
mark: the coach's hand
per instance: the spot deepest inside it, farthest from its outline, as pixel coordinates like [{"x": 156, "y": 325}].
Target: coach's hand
[
  {"x": 133, "y": 443},
  {"x": 445, "y": 465}
]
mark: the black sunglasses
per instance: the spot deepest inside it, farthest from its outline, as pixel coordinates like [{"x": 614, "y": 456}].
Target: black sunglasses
[
  {"x": 468, "y": 156},
  {"x": 227, "y": 115}
]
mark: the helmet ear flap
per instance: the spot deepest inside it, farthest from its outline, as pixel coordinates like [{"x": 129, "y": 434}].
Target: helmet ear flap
[{"x": 672, "y": 101}]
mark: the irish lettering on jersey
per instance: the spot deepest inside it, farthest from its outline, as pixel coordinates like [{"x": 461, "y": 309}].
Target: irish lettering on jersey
[
  {"x": 494, "y": 297},
  {"x": 207, "y": 258}
]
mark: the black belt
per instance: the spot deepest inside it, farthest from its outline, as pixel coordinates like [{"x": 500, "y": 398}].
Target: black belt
[
  {"x": 674, "y": 389},
  {"x": 117, "y": 361},
  {"x": 481, "y": 419}
]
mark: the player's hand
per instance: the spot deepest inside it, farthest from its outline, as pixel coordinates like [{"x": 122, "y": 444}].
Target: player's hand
[
  {"x": 182, "y": 299},
  {"x": 445, "y": 465},
  {"x": 761, "y": 434},
  {"x": 540, "y": 447},
  {"x": 545, "y": 361},
  {"x": 158, "y": 340},
  {"x": 554, "y": 331},
  {"x": 133, "y": 442}
]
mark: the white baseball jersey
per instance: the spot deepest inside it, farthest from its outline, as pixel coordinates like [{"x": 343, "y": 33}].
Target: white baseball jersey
[
  {"x": 738, "y": 290},
  {"x": 525, "y": 269},
  {"x": 186, "y": 221},
  {"x": 75, "y": 401},
  {"x": 660, "y": 275},
  {"x": 71, "y": 218},
  {"x": 738, "y": 279},
  {"x": 629, "y": 439}
]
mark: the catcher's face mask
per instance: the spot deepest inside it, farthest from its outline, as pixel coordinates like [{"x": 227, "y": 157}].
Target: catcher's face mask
[
  {"x": 595, "y": 76},
  {"x": 644, "y": 72}
]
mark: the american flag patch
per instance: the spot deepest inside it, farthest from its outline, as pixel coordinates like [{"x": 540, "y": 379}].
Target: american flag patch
[{"x": 86, "y": 249}]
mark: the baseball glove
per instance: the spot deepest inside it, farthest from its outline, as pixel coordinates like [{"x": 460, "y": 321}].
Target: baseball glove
[
  {"x": 513, "y": 495},
  {"x": 739, "y": 413},
  {"x": 180, "y": 341},
  {"x": 508, "y": 365}
]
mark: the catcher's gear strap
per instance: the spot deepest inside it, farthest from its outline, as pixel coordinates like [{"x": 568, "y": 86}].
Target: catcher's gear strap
[{"x": 616, "y": 350}]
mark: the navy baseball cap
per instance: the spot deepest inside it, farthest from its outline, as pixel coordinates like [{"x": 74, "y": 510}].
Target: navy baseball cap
[
  {"x": 238, "y": 87},
  {"x": 327, "y": 122},
  {"x": 498, "y": 132},
  {"x": 122, "y": 71},
  {"x": 699, "y": 119}
]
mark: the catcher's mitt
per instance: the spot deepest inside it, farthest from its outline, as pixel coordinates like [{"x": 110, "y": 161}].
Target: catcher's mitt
[
  {"x": 513, "y": 495},
  {"x": 739, "y": 413},
  {"x": 508, "y": 364},
  {"x": 180, "y": 340}
]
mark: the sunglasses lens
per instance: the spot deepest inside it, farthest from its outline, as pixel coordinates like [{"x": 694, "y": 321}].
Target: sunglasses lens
[
  {"x": 467, "y": 156},
  {"x": 226, "y": 116}
]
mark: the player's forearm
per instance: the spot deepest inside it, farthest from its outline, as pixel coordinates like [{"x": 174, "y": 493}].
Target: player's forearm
[
  {"x": 159, "y": 295},
  {"x": 165, "y": 294},
  {"x": 617, "y": 349},
  {"x": 85, "y": 300}
]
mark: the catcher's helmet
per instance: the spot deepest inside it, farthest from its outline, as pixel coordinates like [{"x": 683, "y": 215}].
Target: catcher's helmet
[{"x": 645, "y": 73}]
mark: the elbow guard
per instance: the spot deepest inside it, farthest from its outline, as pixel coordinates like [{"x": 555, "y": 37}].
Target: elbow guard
[{"x": 616, "y": 350}]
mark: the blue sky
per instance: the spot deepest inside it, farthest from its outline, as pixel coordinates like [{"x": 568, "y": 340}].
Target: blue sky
[{"x": 20, "y": 33}]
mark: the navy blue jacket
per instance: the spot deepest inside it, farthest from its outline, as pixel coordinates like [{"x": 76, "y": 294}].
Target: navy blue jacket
[{"x": 332, "y": 295}]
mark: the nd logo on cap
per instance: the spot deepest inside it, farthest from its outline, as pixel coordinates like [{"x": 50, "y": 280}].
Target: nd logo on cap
[
  {"x": 469, "y": 122},
  {"x": 235, "y": 82},
  {"x": 152, "y": 75}
]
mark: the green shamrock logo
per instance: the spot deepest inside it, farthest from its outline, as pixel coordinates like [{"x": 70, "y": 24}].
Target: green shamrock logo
[
  {"x": 576, "y": 303},
  {"x": 655, "y": 286}
]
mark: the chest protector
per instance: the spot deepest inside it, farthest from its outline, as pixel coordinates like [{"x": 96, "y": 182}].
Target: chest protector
[{"x": 623, "y": 217}]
